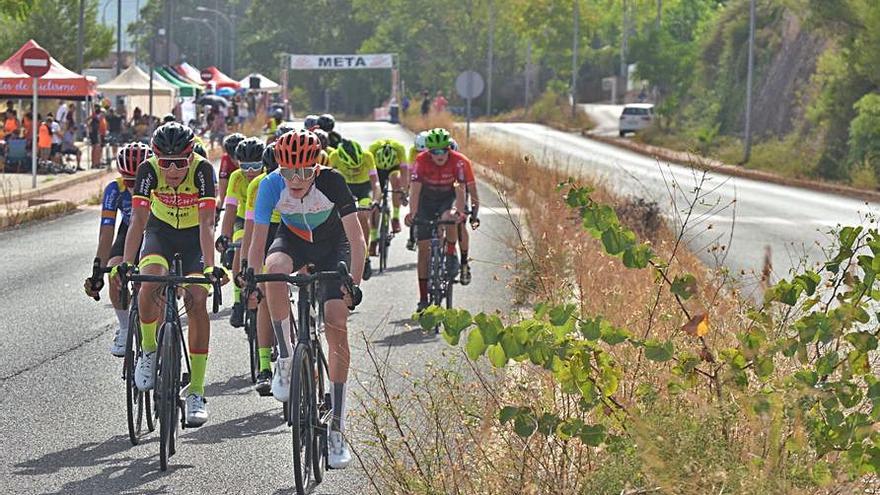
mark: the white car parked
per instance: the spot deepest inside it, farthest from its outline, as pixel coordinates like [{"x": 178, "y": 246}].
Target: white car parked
[{"x": 635, "y": 117}]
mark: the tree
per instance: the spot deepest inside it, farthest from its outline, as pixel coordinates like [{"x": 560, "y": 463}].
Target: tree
[{"x": 53, "y": 24}]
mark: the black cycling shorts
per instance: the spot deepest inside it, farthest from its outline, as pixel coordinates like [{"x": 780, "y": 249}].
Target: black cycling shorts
[
  {"x": 166, "y": 241},
  {"x": 430, "y": 208},
  {"x": 362, "y": 193},
  {"x": 270, "y": 237},
  {"x": 384, "y": 175},
  {"x": 325, "y": 255},
  {"x": 118, "y": 248}
]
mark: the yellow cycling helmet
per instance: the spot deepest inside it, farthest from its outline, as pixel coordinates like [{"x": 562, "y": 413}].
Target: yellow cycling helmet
[{"x": 350, "y": 153}]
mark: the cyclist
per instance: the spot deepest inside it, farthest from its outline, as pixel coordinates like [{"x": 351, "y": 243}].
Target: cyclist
[
  {"x": 327, "y": 123},
  {"x": 272, "y": 124},
  {"x": 117, "y": 198},
  {"x": 464, "y": 237},
  {"x": 310, "y": 122},
  {"x": 228, "y": 165},
  {"x": 283, "y": 128},
  {"x": 319, "y": 227},
  {"x": 390, "y": 157},
  {"x": 249, "y": 155},
  {"x": 359, "y": 170},
  {"x": 437, "y": 191},
  {"x": 173, "y": 212},
  {"x": 264, "y": 323}
]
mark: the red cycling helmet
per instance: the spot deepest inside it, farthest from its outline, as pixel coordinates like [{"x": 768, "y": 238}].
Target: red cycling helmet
[
  {"x": 130, "y": 156},
  {"x": 297, "y": 149}
]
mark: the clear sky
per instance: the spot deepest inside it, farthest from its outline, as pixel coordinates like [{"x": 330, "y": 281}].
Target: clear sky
[{"x": 107, "y": 15}]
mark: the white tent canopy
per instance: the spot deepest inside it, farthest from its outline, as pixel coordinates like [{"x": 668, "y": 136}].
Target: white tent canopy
[
  {"x": 267, "y": 85},
  {"x": 135, "y": 84}
]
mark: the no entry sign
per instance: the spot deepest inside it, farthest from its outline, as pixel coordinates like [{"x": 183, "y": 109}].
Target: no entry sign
[
  {"x": 35, "y": 62},
  {"x": 206, "y": 75}
]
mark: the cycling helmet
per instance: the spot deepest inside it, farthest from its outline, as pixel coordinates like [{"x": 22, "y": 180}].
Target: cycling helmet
[
  {"x": 322, "y": 136},
  {"x": 250, "y": 150},
  {"x": 278, "y": 114},
  {"x": 350, "y": 153},
  {"x": 297, "y": 149},
  {"x": 269, "y": 158},
  {"x": 199, "y": 149},
  {"x": 169, "y": 117},
  {"x": 386, "y": 156},
  {"x": 130, "y": 156},
  {"x": 453, "y": 145},
  {"x": 173, "y": 139},
  {"x": 231, "y": 141},
  {"x": 326, "y": 122},
  {"x": 284, "y": 128},
  {"x": 420, "y": 141},
  {"x": 310, "y": 122},
  {"x": 437, "y": 138},
  {"x": 333, "y": 139}
]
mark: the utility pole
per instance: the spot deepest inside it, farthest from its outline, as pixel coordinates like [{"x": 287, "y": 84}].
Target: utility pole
[
  {"x": 528, "y": 72},
  {"x": 748, "y": 137},
  {"x": 118, "y": 36},
  {"x": 168, "y": 32},
  {"x": 80, "y": 65},
  {"x": 623, "y": 49},
  {"x": 574, "y": 60},
  {"x": 490, "y": 57}
]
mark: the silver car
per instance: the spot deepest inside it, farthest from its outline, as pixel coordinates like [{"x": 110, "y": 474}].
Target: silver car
[{"x": 635, "y": 117}]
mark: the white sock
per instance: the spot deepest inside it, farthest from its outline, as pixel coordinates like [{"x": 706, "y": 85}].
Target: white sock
[
  {"x": 122, "y": 316},
  {"x": 338, "y": 400},
  {"x": 282, "y": 337}
]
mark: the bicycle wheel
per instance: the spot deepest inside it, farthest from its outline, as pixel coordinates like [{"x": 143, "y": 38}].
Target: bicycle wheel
[
  {"x": 250, "y": 325},
  {"x": 448, "y": 295},
  {"x": 302, "y": 417},
  {"x": 324, "y": 415},
  {"x": 135, "y": 405},
  {"x": 435, "y": 291},
  {"x": 384, "y": 241},
  {"x": 168, "y": 389}
]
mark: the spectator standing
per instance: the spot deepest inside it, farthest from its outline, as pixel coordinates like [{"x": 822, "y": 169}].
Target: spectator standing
[
  {"x": 426, "y": 103},
  {"x": 440, "y": 102},
  {"x": 57, "y": 138},
  {"x": 405, "y": 103},
  {"x": 44, "y": 139},
  {"x": 27, "y": 125},
  {"x": 61, "y": 113},
  {"x": 68, "y": 141},
  {"x": 218, "y": 128},
  {"x": 114, "y": 129},
  {"x": 10, "y": 124},
  {"x": 97, "y": 133}
]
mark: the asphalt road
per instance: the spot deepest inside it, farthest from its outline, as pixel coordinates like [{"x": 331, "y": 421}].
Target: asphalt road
[
  {"x": 62, "y": 402},
  {"x": 744, "y": 215}
]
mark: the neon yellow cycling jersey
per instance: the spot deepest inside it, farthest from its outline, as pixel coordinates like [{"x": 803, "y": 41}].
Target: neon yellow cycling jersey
[
  {"x": 236, "y": 192},
  {"x": 398, "y": 148},
  {"x": 357, "y": 175},
  {"x": 413, "y": 153},
  {"x": 176, "y": 206},
  {"x": 251, "y": 202}
]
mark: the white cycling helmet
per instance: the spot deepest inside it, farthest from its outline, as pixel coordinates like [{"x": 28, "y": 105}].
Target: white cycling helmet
[
  {"x": 420, "y": 141},
  {"x": 453, "y": 145}
]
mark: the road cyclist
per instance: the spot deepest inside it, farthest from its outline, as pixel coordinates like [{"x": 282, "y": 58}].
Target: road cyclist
[
  {"x": 228, "y": 165},
  {"x": 472, "y": 200},
  {"x": 173, "y": 205},
  {"x": 319, "y": 226},
  {"x": 417, "y": 147}
]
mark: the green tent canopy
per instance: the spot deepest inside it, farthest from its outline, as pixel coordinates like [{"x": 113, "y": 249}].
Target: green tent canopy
[{"x": 185, "y": 89}]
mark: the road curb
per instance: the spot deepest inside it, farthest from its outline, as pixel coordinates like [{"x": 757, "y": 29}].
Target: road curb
[
  {"x": 79, "y": 178},
  {"x": 689, "y": 159}
]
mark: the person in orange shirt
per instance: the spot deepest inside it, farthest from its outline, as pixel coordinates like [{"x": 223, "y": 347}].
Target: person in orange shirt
[
  {"x": 27, "y": 126},
  {"x": 44, "y": 139},
  {"x": 10, "y": 125}
]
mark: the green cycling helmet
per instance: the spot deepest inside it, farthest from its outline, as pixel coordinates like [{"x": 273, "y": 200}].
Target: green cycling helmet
[
  {"x": 386, "y": 157},
  {"x": 351, "y": 153},
  {"x": 438, "y": 138}
]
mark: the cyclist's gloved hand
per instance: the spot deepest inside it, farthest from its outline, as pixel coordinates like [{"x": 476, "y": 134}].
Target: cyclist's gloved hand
[
  {"x": 221, "y": 244},
  {"x": 216, "y": 274},
  {"x": 475, "y": 221},
  {"x": 352, "y": 296},
  {"x": 122, "y": 269},
  {"x": 408, "y": 219},
  {"x": 239, "y": 280},
  {"x": 93, "y": 287}
]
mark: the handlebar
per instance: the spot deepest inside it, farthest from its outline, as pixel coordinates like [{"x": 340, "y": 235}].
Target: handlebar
[
  {"x": 301, "y": 279},
  {"x": 173, "y": 279},
  {"x": 97, "y": 277}
]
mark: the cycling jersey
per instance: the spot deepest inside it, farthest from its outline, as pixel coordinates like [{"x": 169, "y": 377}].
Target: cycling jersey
[
  {"x": 227, "y": 166},
  {"x": 236, "y": 192},
  {"x": 315, "y": 217},
  {"x": 117, "y": 197},
  {"x": 177, "y": 207},
  {"x": 398, "y": 148},
  {"x": 251, "y": 202},
  {"x": 437, "y": 179},
  {"x": 413, "y": 153},
  {"x": 357, "y": 175}
]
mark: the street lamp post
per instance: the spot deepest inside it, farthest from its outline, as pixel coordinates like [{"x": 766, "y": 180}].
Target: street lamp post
[
  {"x": 204, "y": 22},
  {"x": 233, "y": 41}
]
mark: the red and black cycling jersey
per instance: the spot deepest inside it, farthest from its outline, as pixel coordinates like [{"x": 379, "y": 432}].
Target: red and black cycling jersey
[{"x": 440, "y": 179}]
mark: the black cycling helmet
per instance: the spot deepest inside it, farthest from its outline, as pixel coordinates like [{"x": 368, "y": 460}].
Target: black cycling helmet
[
  {"x": 250, "y": 150},
  {"x": 326, "y": 122},
  {"x": 284, "y": 128},
  {"x": 322, "y": 136},
  {"x": 199, "y": 149},
  {"x": 231, "y": 141},
  {"x": 169, "y": 117},
  {"x": 269, "y": 158},
  {"x": 310, "y": 121},
  {"x": 173, "y": 139}
]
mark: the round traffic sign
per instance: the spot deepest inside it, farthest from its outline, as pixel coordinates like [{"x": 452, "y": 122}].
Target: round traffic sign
[
  {"x": 206, "y": 75},
  {"x": 469, "y": 84},
  {"x": 35, "y": 62}
]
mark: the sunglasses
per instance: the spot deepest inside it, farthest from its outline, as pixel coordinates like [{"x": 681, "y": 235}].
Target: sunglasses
[
  {"x": 251, "y": 166},
  {"x": 439, "y": 152},
  {"x": 302, "y": 174},
  {"x": 176, "y": 162}
]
